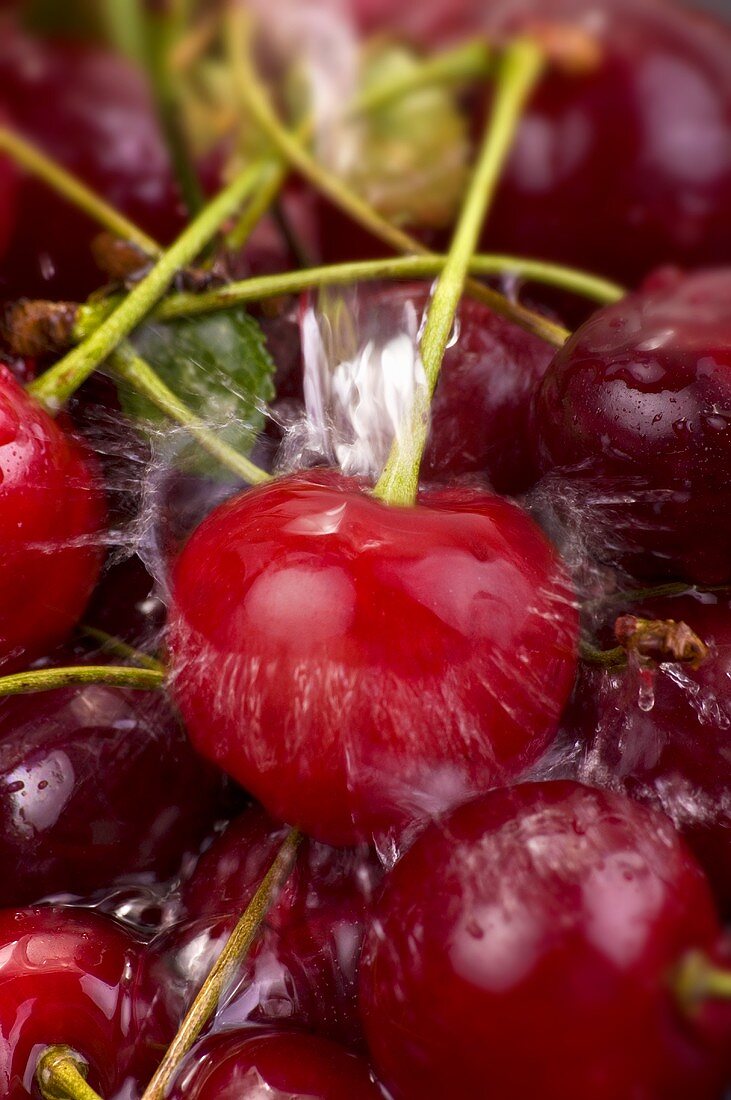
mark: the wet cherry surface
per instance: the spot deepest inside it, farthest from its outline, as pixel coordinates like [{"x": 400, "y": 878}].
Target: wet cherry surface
[
  {"x": 633, "y": 414},
  {"x": 302, "y": 970},
  {"x": 51, "y": 511},
  {"x": 372, "y": 664},
  {"x": 244, "y": 1065},
  {"x": 663, "y": 734},
  {"x": 96, "y": 783},
  {"x": 89, "y": 110},
  {"x": 526, "y": 945},
  {"x": 75, "y": 978}
]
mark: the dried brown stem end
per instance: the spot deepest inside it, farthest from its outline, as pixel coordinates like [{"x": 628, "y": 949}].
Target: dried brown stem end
[{"x": 660, "y": 640}]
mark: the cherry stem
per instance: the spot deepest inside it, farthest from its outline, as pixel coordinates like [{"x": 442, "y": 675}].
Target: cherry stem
[
  {"x": 160, "y": 29},
  {"x": 61, "y": 1075},
  {"x": 470, "y": 61},
  {"x": 255, "y": 99},
  {"x": 697, "y": 981},
  {"x": 131, "y": 367},
  {"x": 121, "y": 19},
  {"x": 603, "y": 658},
  {"x": 229, "y": 961},
  {"x": 274, "y": 176},
  {"x": 648, "y": 641},
  {"x": 55, "y": 386},
  {"x": 64, "y": 183},
  {"x": 117, "y": 648},
  {"x": 49, "y": 679},
  {"x": 518, "y": 73}
]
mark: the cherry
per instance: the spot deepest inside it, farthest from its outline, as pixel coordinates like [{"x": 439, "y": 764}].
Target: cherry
[
  {"x": 96, "y": 783},
  {"x": 51, "y": 511},
  {"x": 480, "y": 416},
  {"x": 244, "y": 1064},
  {"x": 357, "y": 666},
  {"x": 634, "y": 414},
  {"x": 89, "y": 110},
  {"x": 526, "y": 945},
  {"x": 666, "y": 741},
  {"x": 303, "y": 968},
  {"x": 73, "y": 977},
  {"x": 8, "y": 195}
]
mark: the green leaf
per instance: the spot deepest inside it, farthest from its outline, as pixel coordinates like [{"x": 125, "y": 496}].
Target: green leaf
[{"x": 219, "y": 365}]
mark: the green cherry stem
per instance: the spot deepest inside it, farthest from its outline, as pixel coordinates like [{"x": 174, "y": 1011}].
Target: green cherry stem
[
  {"x": 255, "y": 100},
  {"x": 471, "y": 61},
  {"x": 229, "y": 961},
  {"x": 697, "y": 980},
  {"x": 61, "y": 1075},
  {"x": 131, "y": 367},
  {"x": 518, "y": 72},
  {"x": 55, "y": 386},
  {"x": 117, "y": 648},
  {"x": 64, "y": 183},
  {"x": 49, "y": 679}
]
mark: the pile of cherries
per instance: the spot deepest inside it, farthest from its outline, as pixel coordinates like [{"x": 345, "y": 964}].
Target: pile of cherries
[{"x": 499, "y": 719}]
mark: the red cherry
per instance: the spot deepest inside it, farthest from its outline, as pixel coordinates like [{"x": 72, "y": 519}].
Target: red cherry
[
  {"x": 303, "y": 968},
  {"x": 51, "y": 509},
  {"x": 357, "y": 666},
  {"x": 245, "y": 1064},
  {"x": 75, "y": 978},
  {"x": 480, "y": 416},
  {"x": 666, "y": 742},
  {"x": 91, "y": 111},
  {"x": 96, "y": 783},
  {"x": 526, "y": 946},
  {"x": 634, "y": 413}
]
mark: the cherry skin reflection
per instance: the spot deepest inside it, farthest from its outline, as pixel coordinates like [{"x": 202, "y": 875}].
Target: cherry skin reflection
[
  {"x": 244, "y": 1065},
  {"x": 357, "y": 666},
  {"x": 526, "y": 946}
]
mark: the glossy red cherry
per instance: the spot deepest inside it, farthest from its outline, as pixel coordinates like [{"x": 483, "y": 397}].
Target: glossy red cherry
[
  {"x": 480, "y": 416},
  {"x": 51, "y": 512},
  {"x": 663, "y": 734},
  {"x": 525, "y": 946},
  {"x": 246, "y": 1064},
  {"x": 96, "y": 783},
  {"x": 72, "y": 977},
  {"x": 635, "y": 415},
  {"x": 358, "y": 667},
  {"x": 91, "y": 111},
  {"x": 302, "y": 970}
]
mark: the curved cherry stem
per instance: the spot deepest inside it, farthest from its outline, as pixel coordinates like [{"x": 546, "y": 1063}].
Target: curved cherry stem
[
  {"x": 255, "y": 100},
  {"x": 55, "y": 386},
  {"x": 38, "y": 164},
  {"x": 131, "y": 367},
  {"x": 49, "y": 679},
  {"x": 230, "y": 959},
  {"x": 518, "y": 73},
  {"x": 61, "y": 1075},
  {"x": 616, "y": 657},
  {"x": 108, "y": 643},
  {"x": 697, "y": 980}
]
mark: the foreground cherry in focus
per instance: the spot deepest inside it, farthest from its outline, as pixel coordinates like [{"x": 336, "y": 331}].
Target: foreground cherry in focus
[
  {"x": 51, "y": 512},
  {"x": 634, "y": 415},
  {"x": 75, "y": 978},
  {"x": 526, "y": 946},
  {"x": 244, "y": 1065},
  {"x": 357, "y": 666}
]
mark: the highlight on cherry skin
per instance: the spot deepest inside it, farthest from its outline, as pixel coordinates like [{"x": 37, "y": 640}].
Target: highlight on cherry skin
[
  {"x": 531, "y": 941},
  {"x": 359, "y": 667},
  {"x": 633, "y": 416}
]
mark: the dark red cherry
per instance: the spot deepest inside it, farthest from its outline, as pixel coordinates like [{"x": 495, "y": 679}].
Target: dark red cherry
[
  {"x": 302, "y": 970},
  {"x": 51, "y": 512},
  {"x": 73, "y": 977},
  {"x": 480, "y": 416},
  {"x": 526, "y": 946},
  {"x": 651, "y": 113},
  {"x": 246, "y": 1064},
  {"x": 357, "y": 666},
  {"x": 634, "y": 414},
  {"x": 97, "y": 783},
  {"x": 662, "y": 733},
  {"x": 91, "y": 111}
]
